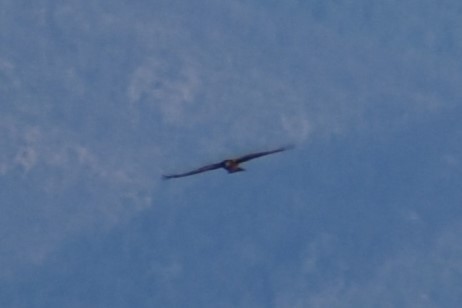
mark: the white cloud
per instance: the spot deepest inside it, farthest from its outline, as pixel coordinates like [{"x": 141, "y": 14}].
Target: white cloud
[
  {"x": 413, "y": 277},
  {"x": 165, "y": 88},
  {"x": 74, "y": 188},
  {"x": 297, "y": 126}
]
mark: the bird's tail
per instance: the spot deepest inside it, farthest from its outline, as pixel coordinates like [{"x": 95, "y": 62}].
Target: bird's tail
[{"x": 238, "y": 169}]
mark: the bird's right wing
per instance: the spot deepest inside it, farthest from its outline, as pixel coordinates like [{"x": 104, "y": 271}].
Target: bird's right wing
[
  {"x": 200, "y": 170},
  {"x": 259, "y": 154}
]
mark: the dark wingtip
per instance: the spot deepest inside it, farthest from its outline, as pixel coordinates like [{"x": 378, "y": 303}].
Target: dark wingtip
[
  {"x": 288, "y": 147},
  {"x": 166, "y": 177}
]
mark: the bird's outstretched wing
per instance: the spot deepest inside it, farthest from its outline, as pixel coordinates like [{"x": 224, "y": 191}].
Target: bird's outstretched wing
[
  {"x": 200, "y": 170},
  {"x": 259, "y": 154}
]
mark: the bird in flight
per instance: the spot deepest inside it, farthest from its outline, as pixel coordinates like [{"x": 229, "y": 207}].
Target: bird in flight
[{"x": 230, "y": 165}]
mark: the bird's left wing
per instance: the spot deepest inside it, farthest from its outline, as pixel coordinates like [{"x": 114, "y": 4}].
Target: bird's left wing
[
  {"x": 196, "y": 171},
  {"x": 259, "y": 154}
]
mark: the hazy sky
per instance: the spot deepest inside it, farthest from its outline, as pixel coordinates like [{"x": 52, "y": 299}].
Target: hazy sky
[{"x": 99, "y": 98}]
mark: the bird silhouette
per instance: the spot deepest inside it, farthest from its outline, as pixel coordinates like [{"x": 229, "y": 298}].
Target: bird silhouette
[{"x": 230, "y": 165}]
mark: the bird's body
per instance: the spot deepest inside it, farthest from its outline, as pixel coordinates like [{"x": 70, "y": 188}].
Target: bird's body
[{"x": 230, "y": 165}]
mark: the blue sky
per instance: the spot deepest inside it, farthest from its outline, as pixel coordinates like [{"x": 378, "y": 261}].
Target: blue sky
[{"x": 99, "y": 98}]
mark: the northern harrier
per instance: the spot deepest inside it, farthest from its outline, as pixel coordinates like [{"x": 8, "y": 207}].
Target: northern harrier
[{"x": 230, "y": 165}]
